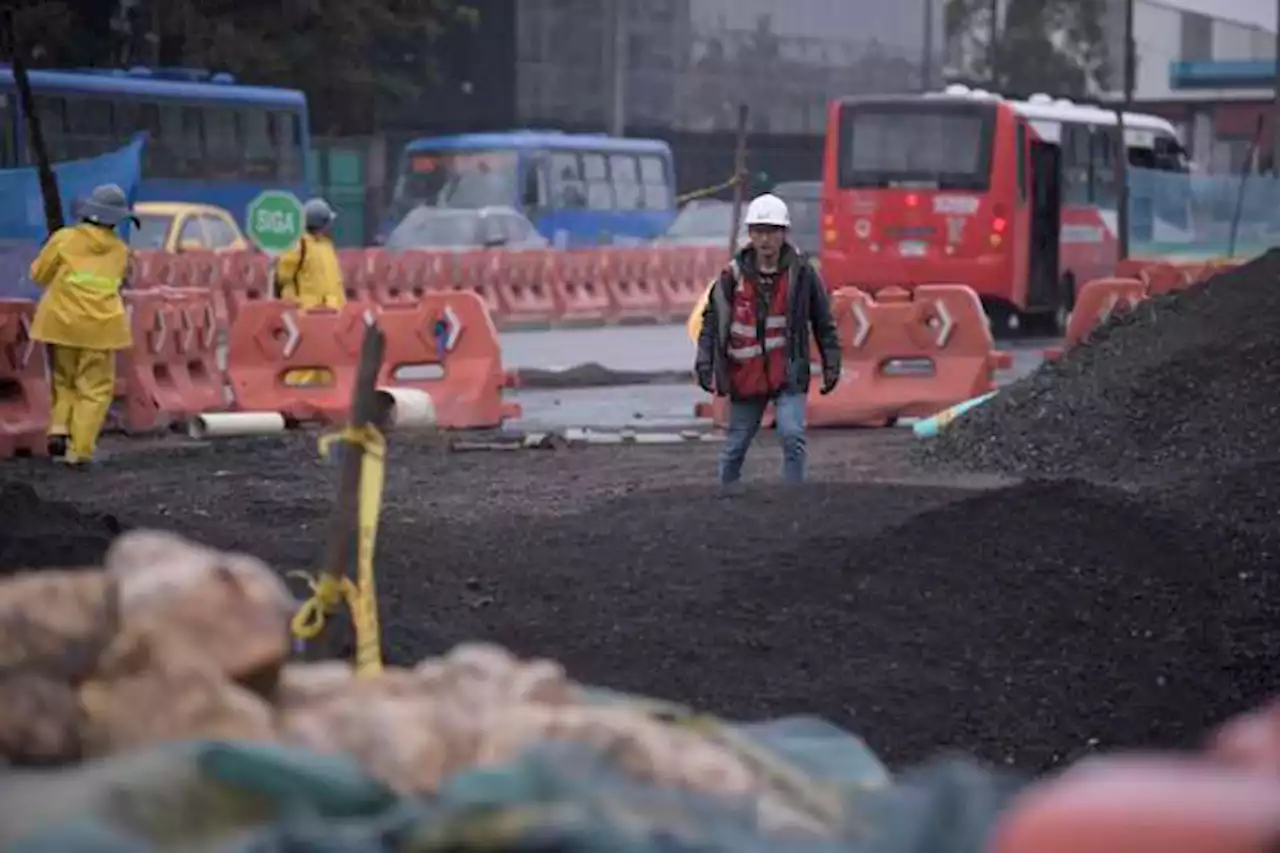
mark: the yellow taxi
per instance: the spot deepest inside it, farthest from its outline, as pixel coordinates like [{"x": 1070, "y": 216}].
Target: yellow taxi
[{"x": 171, "y": 226}]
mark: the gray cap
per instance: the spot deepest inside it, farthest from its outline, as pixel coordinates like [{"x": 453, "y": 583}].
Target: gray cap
[
  {"x": 318, "y": 213},
  {"x": 106, "y": 205}
]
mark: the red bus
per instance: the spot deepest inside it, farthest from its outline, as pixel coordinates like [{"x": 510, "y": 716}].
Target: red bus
[{"x": 1016, "y": 199}]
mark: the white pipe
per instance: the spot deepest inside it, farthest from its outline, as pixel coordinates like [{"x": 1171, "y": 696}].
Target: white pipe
[
  {"x": 229, "y": 424},
  {"x": 408, "y": 407}
]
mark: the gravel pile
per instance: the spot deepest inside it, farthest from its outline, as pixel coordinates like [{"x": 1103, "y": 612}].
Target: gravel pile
[{"x": 1187, "y": 384}]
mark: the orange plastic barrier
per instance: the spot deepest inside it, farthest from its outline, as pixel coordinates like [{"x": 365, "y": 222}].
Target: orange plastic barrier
[
  {"x": 1144, "y": 804},
  {"x": 24, "y": 383},
  {"x": 905, "y": 354},
  {"x": 1098, "y": 300},
  {"x": 476, "y": 273},
  {"x": 630, "y": 278},
  {"x": 270, "y": 339},
  {"x": 682, "y": 275},
  {"x": 447, "y": 345},
  {"x": 576, "y": 278},
  {"x": 246, "y": 277},
  {"x": 171, "y": 372},
  {"x": 523, "y": 292},
  {"x": 148, "y": 269}
]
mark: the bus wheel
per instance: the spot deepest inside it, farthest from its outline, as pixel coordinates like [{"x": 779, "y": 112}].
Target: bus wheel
[
  {"x": 1004, "y": 321},
  {"x": 1066, "y": 304}
]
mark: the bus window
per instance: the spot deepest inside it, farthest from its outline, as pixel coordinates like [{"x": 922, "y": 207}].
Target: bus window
[
  {"x": 942, "y": 145},
  {"x": 89, "y": 127},
  {"x": 626, "y": 182},
  {"x": 653, "y": 177},
  {"x": 259, "y": 161},
  {"x": 1022, "y": 161},
  {"x": 534, "y": 193},
  {"x": 567, "y": 187},
  {"x": 169, "y": 155},
  {"x": 1104, "y": 166},
  {"x": 128, "y": 121},
  {"x": 52, "y": 110},
  {"x": 596, "y": 172},
  {"x": 289, "y": 151},
  {"x": 222, "y": 143},
  {"x": 1076, "y": 166},
  {"x": 193, "y": 146},
  {"x": 8, "y": 134}
]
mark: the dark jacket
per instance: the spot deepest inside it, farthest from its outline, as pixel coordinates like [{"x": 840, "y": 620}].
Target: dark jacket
[{"x": 807, "y": 308}]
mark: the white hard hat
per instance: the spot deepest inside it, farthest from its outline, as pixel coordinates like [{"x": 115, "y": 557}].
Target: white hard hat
[{"x": 768, "y": 209}]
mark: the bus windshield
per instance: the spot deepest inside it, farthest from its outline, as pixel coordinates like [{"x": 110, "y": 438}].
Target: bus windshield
[
  {"x": 458, "y": 179},
  {"x": 946, "y": 146}
]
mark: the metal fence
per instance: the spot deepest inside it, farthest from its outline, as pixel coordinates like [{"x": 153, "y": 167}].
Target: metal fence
[{"x": 1202, "y": 216}]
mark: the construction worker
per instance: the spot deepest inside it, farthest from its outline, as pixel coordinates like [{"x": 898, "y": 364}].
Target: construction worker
[
  {"x": 754, "y": 343},
  {"x": 82, "y": 318},
  {"x": 310, "y": 276}
]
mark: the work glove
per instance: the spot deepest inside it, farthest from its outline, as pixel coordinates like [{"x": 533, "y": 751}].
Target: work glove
[
  {"x": 705, "y": 381},
  {"x": 830, "y": 378}
]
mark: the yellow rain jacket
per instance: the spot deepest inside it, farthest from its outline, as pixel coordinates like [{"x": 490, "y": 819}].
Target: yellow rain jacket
[
  {"x": 81, "y": 269},
  {"x": 309, "y": 274},
  {"x": 694, "y": 324}
]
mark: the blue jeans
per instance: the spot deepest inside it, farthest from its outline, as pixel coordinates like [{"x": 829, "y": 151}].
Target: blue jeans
[{"x": 744, "y": 423}]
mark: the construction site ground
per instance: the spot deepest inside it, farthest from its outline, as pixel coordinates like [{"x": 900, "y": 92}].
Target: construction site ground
[{"x": 1024, "y": 623}]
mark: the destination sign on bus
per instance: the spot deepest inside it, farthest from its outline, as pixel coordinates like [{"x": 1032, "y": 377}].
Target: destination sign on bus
[{"x": 468, "y": 162}]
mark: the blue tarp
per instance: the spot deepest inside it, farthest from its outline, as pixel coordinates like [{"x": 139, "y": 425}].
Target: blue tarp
[{"x": 22, "y": 224}]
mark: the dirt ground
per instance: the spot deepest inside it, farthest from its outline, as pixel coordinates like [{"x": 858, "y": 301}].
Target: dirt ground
[{"x": 1024, "y": 623}]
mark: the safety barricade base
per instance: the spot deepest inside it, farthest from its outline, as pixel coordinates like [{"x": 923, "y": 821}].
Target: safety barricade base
[{"x": 24, "y": 383}]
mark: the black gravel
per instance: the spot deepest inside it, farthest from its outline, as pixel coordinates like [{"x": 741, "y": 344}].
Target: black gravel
[
  {"x": 1187, "y": 384},
  {"x": 35, "y": 533}
]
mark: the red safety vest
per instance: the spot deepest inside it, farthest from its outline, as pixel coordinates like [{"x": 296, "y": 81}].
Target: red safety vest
[{"x": 758, "y": 342}]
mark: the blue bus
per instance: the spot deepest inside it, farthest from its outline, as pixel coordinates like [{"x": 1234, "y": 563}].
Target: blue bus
[
  {"x": 577, "y": 189},
  {"x": 211, "y": 140}
]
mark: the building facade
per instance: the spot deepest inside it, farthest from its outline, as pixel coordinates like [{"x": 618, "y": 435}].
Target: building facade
[
  {"x": 679, "y": 69},
  {"x": 1208, "y": 66}
]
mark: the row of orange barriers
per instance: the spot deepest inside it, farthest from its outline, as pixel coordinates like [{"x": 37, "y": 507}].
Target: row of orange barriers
[
  {"x": 524, "y": 288},
  {"x": 172, "y": 372},
  {"x": 1134, "y": 282},
  {"x": 904, "y": 353}
]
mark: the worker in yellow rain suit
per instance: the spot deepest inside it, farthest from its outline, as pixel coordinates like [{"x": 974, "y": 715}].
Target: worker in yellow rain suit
[
  {"x": 310, "y": 276},
  {"x": 82, "y": 318}
]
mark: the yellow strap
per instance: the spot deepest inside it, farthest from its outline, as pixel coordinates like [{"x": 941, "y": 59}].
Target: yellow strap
[{"x": 329, "y": 592}]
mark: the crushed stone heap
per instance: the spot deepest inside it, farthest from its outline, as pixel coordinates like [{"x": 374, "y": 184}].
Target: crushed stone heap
[
  {"x": 35, "y": 532},
  {"x": 1185, "y": 384}
]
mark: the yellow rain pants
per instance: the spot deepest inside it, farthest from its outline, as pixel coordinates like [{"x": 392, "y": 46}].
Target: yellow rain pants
[{"x": 84, "y": 382}]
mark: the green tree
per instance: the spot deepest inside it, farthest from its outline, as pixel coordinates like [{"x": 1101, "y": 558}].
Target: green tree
[
  {"x": 335, "y": 50},
  {"x": 1054, "y": 46}
]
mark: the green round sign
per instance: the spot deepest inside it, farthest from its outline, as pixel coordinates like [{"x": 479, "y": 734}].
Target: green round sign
[{"x": 274, "y": 221}]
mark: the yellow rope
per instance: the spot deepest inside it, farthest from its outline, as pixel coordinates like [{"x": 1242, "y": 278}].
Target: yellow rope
[{"x": 328, "y": 591}]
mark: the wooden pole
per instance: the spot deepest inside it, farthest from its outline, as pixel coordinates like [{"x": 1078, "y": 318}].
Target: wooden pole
[
  {"x": 740, "y": 177},
  {"x": 343, "y": 522}
]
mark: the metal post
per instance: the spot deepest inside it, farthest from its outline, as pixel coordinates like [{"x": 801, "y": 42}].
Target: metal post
[
  {"x": 1275, "y": 118},
  {"x": 618, "y": 124},
  {"x": 740, "y": 177},
  {"x": 1122, "y": 149},
  {"x": 993, "y": 45},
  {"x": 926, "y": 54}
]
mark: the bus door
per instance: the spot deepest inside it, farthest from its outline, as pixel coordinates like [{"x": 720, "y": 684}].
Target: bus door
[{"x": 1046, "y": 224}]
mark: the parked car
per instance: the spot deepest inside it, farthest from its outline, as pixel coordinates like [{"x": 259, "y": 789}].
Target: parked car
[
  {"x": 804, "y": 200},
  {"x": 450, "y": 229},
  {"x": 181, "y": 227},
  {"x": 701, "y": 223}
]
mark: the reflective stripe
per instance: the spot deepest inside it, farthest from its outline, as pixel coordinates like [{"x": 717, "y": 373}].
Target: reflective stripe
[
  {"x": 744, "y": 353},
  {"x": 742, "y": 329},
  {"x": 775, "y": 321},
  {"x": 93, "y": 281},
  {"x": 774, "y": 343}
]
